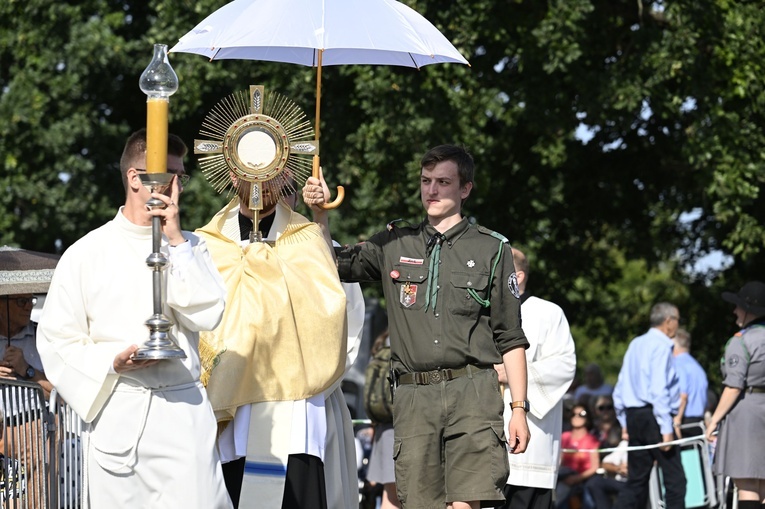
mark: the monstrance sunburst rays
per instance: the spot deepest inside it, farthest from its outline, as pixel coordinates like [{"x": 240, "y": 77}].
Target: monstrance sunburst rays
[{"x": 261, "y": 138}]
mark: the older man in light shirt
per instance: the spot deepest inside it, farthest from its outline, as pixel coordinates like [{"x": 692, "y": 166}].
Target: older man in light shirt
[{"x": 646, "y": 397}]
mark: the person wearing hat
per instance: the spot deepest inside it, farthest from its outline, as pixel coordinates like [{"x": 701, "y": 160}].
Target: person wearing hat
[{"x": 742, "y": 402}]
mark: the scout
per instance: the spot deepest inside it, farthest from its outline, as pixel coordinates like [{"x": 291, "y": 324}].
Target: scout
[{"x": 453, "y": 313}]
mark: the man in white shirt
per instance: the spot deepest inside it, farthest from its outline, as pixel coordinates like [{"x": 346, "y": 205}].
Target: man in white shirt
[
  {"x": 551, "y": 362},
  {"x": 150, "y": 437}
]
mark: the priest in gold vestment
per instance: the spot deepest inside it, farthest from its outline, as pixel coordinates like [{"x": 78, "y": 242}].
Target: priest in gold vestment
[{"x": 275, "y": 363}]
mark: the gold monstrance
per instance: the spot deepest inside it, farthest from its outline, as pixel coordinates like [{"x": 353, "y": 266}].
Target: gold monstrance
[{"x": 263, "y": 139}]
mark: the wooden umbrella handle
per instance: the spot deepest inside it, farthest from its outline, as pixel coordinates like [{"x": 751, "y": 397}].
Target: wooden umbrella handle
[{"x": 340, "y": 190}]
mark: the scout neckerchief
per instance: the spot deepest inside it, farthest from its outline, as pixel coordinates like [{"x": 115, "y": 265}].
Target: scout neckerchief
[{"x": 434, "y": 252}]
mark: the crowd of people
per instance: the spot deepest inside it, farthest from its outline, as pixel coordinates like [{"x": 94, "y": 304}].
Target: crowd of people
[{"x": 253, "y": 415}]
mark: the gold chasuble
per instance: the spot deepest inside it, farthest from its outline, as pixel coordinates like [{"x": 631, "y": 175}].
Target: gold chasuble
[{"x": 283, "y": 334}]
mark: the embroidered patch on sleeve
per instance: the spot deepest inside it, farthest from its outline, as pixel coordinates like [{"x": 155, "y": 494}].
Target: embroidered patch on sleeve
[{"x": 512, "y": 285}]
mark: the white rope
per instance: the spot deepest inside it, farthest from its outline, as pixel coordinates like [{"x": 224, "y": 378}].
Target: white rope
[{"x": 679, "y": 441}]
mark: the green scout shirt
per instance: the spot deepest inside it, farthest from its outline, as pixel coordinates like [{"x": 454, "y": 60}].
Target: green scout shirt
[{"x": 449, "y": 328}]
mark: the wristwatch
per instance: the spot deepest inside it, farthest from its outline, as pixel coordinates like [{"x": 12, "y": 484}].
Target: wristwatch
[
  {"x": 521, "y": 404},
  {"x": 30, "y": 372}
]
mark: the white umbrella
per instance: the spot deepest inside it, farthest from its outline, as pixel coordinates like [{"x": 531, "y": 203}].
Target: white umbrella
[
  {"x": 320, "y": 32},
  {"x": 383, "y": 32}
]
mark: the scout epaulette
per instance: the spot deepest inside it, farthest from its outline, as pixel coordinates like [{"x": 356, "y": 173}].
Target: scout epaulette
[
  {"x": 494, "y": 234},
  {"x": 740, "y": 337},
  {"x": 502, "y": 241}
]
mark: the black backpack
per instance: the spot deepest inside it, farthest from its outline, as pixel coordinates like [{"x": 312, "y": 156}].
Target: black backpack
[{"x": 378, "y": 402}]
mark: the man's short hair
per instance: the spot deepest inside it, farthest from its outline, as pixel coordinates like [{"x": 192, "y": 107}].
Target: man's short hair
[
  {"x": 460, "y": 157},
  {"x": 683, "y": 339},
  {"x": 520, "y": 261},
  {"x": 661, "y": 311},
  {"x": 134, "y": 153}
]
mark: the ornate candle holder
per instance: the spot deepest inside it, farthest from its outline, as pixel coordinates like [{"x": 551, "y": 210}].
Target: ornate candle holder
[{"x": 158, "y": 82}]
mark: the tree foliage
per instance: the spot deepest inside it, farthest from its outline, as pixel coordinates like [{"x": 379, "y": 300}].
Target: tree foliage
[{"x": 597, "y": 127}]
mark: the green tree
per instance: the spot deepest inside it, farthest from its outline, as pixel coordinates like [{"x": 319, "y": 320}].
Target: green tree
[{"x": 669, "y": 97}]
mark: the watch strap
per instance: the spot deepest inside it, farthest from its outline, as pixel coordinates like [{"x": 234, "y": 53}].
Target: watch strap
[{"x": 520, "y": 404}]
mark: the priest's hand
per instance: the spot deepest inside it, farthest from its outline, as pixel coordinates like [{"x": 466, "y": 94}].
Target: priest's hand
[
  {"x": 124, "y": 361},
  {"x": 316, "y": 194},
  {"x": 170, "y": 214}
]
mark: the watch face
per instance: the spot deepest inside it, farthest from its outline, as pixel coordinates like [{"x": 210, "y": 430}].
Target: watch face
[{"x": 30, "y": 372}]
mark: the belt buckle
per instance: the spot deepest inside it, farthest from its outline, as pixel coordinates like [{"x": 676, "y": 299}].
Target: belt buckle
[{"x": 434, "y": 377}]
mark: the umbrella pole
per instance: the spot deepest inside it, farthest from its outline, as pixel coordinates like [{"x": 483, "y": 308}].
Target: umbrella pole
[
  {"x": 318, "y": 97},
  {"x": 316, "y": 162},
  {"x": 8, "y": 317}
]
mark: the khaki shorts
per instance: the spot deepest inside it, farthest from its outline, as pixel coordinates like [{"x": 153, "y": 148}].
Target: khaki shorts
[{"x": 449, "y": 443}]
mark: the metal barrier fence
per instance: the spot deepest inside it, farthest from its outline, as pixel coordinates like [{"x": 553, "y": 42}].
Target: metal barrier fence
[
  {"x": 26, "y": 446},
  {"x": 41, "y": 461},
  {"x": 69, "y": 454}
]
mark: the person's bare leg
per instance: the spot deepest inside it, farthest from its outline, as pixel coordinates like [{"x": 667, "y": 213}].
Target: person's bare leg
[{"x": 748, "y": 489}]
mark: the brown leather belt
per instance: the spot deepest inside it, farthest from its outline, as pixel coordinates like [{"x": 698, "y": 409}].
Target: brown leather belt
[
  {"x": 755, "y": 389},
  {"x": 437, "y": 376}
]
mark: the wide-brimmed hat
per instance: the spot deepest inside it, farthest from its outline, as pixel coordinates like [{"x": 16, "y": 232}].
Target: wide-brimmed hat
[
  {"x": 23, "y": 271},
  {"x": 751, "y": 298}
]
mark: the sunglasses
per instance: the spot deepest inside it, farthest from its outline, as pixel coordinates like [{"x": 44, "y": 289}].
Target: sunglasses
[
  {"x": 582, "y": 413},
  {"x": 184, "y": 178},
  {"x": 605, "y": 407},
  {"x": 23, "y": 301}
]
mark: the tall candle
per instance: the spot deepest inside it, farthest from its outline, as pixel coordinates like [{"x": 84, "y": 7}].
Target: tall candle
[
  {"x": 156, "y": 134},
  {"x": 158, "y": 82}
]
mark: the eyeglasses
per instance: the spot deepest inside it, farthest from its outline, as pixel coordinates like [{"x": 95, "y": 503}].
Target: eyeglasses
[
  {"x": 23, "y": 301},
  {"x": 582, "y": 413},
  {"x": 605, "y": 407},
  {"x": 184, "y": 178}
]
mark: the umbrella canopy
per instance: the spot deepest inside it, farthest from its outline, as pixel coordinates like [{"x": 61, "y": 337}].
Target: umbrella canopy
[
  {"x": 318, "y": 33},
  {"x": 384, "y": 32},
  {"x": 23, "y": 271}
]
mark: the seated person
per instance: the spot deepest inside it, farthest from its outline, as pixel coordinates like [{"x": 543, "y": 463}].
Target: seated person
[
  {"x": 601, "y": 490},
  {"x": 576, "y": 467},
  {"x": 607, "y": 428},
  {"x": 19, "y": 359}
]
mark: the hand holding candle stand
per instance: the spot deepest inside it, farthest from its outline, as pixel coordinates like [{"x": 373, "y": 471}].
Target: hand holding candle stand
[{"x": 158, "y": 82}]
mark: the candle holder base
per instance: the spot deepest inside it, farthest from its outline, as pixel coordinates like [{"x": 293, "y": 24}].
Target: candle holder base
[
  {"x": 147, "y": 352},
  {"x": 160, "y": 345}
]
